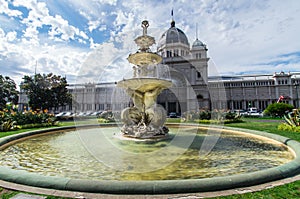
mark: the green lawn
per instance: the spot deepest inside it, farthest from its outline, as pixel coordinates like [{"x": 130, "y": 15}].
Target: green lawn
[
  {"x": 3, "y": 134},
  {"x": 291, "y": 190},
  {"x": 267, "y": 125},
  {"x": 287, "y": 191}
]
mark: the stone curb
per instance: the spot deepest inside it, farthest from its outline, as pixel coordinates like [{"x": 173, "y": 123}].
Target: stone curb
[{"x": 155, "y": 187}]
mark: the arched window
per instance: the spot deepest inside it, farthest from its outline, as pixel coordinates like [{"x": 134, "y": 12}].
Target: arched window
[
  {"x": 176, "y": 53},
  {"x": 198, "y": 75},
  {"x": 182, "y": 52},
  {"x": 200, "y": 97},
  {"x": 168, "y": 53}
]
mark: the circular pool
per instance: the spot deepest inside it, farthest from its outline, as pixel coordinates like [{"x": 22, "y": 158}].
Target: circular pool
[{"x": 92, "y": 159}]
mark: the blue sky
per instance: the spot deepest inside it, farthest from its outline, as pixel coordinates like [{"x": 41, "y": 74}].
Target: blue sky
[{"x": 89, "y": 41}]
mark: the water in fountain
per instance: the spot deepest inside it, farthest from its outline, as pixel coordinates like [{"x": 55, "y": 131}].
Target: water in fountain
[{"x": 63, "y": 154}]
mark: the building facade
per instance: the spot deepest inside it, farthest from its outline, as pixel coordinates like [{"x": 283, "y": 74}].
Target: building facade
[
  {"x": 192, "y": 88},
  {"x": 257, "y": 91}
]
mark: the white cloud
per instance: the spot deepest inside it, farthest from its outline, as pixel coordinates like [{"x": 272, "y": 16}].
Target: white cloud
[
  {"x": 38, "y": 17},
  {"x": 110, "y": 2},
  {"x": 105, "y": 63},
  {"x": 22, "y": 57},
  {"x": 240, "y": 35},
  {"x": 263, "y": 30},
  {"x": 5, "y": 10},
  {"x": 11, "y": 36}
]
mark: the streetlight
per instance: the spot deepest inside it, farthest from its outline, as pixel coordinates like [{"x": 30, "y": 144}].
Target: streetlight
[{"x": 296, "y": 85}]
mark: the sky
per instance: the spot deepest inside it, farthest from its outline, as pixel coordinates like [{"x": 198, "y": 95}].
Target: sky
[{"x": 89, "y": 41}]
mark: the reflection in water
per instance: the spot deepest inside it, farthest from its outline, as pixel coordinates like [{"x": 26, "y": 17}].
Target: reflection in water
[{"x": 63, "y": 154}]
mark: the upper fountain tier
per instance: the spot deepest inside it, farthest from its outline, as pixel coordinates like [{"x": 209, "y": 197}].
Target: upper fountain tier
[{"x": 144, "y": 56}]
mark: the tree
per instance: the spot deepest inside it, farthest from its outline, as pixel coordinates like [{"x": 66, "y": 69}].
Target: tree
[
  {"x": 46, "y": 91},
  {"x": 278, "y": 109},
  {"x": 8, "y": 92}
]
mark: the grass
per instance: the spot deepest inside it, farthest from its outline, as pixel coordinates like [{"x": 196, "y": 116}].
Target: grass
[
  {"x": 291, "y": 190},
  {"x": 4, "y": 134},
  {"x": 287, "y": 191},
  {"x": 267, "y": 125}
]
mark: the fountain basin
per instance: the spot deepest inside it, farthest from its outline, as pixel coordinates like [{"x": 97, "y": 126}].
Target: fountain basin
[
  {"x": 154, "y": 186},
  {"x": 144, "y": 84},
  {"x": 144, "y": 58}
]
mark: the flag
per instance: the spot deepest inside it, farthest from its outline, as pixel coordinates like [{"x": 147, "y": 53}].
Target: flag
[
  {"x": 172, "y": 13},
  {"x": 280, "y": 98}
]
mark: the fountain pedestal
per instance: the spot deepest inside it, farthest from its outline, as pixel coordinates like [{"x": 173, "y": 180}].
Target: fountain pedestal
[{"x": 145, "y": 120}]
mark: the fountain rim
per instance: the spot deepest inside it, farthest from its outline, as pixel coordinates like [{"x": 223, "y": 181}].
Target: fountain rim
[{"x": 289, "y": 169}]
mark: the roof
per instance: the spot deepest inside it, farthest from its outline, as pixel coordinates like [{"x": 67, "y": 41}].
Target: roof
[
  {"x": 173, "y": 35},
  {"x": 197, "y": 43}
]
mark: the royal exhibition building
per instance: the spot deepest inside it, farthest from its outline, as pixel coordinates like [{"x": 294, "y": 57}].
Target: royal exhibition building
[{"x": 192, "y": 88}]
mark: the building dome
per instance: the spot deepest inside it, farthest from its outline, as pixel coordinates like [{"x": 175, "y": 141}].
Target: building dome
[
  {"x": 198, "y": 44},
  {"x": 173, "y": 35}
]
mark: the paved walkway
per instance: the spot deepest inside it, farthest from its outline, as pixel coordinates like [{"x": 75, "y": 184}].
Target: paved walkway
[
  {"x": 82, "y": 195},
  {"x": 27, "y": 196}
]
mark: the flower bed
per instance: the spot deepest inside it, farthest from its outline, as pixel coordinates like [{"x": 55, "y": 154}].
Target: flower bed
[{"x": 13, "y": 120}]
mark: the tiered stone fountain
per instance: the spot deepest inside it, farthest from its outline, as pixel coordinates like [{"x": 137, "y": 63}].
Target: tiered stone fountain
[{"x": 145, "y": 120}]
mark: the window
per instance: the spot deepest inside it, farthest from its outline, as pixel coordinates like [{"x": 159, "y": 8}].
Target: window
[
  {"x": 101, "y": 106},
  {"x": 198, "y": 74},
  {"x": 168, "y": 54},
  {"x": 89, "y": 106},
  {"x": 182, "y": 52},
  {"x": 176, "y": 53}
]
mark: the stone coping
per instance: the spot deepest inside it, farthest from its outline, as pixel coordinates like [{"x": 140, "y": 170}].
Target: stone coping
[{"x": 289, "y": 169}]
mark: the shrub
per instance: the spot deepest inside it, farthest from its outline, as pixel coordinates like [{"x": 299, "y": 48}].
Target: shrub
[
  {"x": 293, "y": 118},
  {"x": 106, "y": 115},
  {"x": 203, "y": 121},
  {"x": 7, "y": 122},
  {"x": 8, "y": 126},
  {"x": 278, "y": 109},
  {"x": 218, "y": 114},
  {"x": 102, "y": 120},
  {"x": 232, "y": 116},
  {"x": 205, "y": 115},
  {"x": 211, "y": 117},
  {"x": 286, "y": 127},
  {"x": 27, "y": 126},
  {"x": 292, "y": 121}
]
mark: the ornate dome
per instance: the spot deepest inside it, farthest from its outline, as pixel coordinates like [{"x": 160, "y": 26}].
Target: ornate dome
[
  {"x": 198, "y": 44},
  {"x": 173, "y": 35}
]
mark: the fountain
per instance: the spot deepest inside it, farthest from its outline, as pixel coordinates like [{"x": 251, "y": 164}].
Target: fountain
[{"x": 145, "y": 119}]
